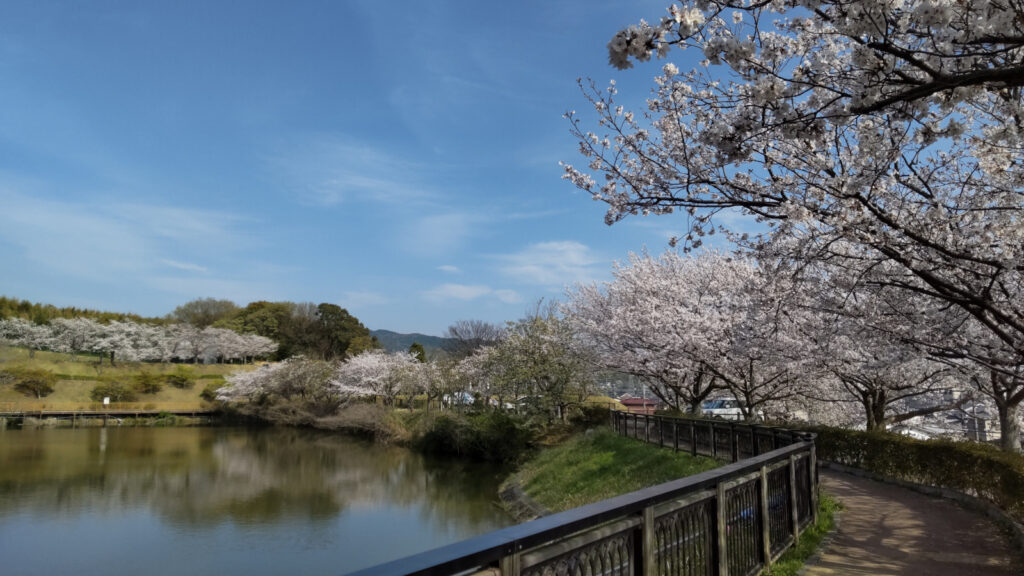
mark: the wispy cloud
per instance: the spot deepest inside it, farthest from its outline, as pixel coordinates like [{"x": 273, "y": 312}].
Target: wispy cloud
[
  {"x": 449, "y": 268},
  {"x": 87, "y": 240},
  {"x": 187, "y": 266},
  {"x": 468, "y": 292},
  {"x": 327, "y": 171},
  {"x": 438, "y": 233},
  {"x": 553, "y": 264},
  {"x": 240, "y": 291},
  {"x": 508, "y": 296}
]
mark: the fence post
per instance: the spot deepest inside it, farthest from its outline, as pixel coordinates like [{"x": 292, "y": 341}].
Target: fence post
[
  {"x": 675, "y": 435},
  {"x": 649, "y": 568},
  {"x": 714, "y": 441},
  {"x": 755, "y": 450},
  {"x": 509, "y": 565},
  {"x": 812, "y": 472},
  {"x": 766, "y": 544},
  {"x": 794, "y": 513},
  {"x": 722, "y": 526},
  {"x": 647, "y": 429},
  {"x": 693, "y": 438},
  {"x": 734, "y": 442}
]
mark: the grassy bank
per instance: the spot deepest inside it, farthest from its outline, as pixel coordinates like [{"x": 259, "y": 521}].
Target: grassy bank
[
  {"x": 76, "y": 378},
  {"x": 600, "y": 465}
]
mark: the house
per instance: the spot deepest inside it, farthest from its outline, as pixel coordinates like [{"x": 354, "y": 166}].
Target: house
[{"x": 639, "y": 405}]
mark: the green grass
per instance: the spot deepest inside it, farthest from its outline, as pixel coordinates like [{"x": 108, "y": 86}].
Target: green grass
[
  {"x": 600, "y": 465},
  {"x": 77, "y": 378},
  {"x": 793, "y": 559}
]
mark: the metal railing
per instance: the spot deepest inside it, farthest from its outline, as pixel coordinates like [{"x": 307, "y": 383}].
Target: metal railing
[{"x": 732, "y": 520}]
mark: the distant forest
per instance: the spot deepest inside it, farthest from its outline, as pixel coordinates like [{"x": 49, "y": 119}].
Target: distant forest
[
  {"x": 44, "y": 313},
  {"x": 324, "y": 330}
]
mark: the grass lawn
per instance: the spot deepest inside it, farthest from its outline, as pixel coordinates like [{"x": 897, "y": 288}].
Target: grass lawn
[
  {"x": 790, "y": 563},
  {"x": 600, "y": 465},
  {"x": 77, "y": 378}
]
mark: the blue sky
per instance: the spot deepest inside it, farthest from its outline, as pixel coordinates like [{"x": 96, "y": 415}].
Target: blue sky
[{"x": 398, "y": 159}]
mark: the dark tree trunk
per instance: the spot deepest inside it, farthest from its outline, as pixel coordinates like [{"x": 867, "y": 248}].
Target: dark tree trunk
[{"x": 1009, "y": 427}]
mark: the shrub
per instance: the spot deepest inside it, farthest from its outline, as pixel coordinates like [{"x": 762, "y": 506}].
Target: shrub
[
  {"x": 590, "y": 415},
  {"x": 370, "y": 420},
  {"x": 116, "y": 391},
  {"x": 209, "y": 392},
  {"x": 32, "y": 382},
  {"x": 146, "y": 383},
  {"x": 181, "y": 378},
  {"x": 980, "y": 470},
  {"x": 492, "y": 436}
]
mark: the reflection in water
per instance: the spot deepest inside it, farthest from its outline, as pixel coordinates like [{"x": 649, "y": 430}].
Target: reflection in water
[{"x": 295, "y": 500}]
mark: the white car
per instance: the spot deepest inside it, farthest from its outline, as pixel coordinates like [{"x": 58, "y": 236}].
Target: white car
[{"x": 726, "y": 408}]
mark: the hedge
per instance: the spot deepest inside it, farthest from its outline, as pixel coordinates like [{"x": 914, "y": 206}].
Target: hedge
[{"x": 979, "y": 470}]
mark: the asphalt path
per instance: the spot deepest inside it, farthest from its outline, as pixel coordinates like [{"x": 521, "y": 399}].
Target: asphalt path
[{"x": 886, "y": 530}]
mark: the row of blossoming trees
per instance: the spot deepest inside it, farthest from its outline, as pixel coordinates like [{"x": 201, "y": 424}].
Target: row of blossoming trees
[
  {"x": 882, "y": 141},
  {"x": 692, "y": 327},
  {"x": 134, "y": 341},
  {"x": 536, "y": 365}
]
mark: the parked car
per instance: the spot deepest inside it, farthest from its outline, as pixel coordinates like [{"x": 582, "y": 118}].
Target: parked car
[{"x": 727, "y": 409}]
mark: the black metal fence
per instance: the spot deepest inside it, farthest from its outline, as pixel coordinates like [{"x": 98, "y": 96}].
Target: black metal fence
[{"x": 729, "y": 521}]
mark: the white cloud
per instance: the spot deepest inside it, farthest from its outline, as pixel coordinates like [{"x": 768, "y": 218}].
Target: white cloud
[
  {"x": 449, "y": 268},
  {"x": 100, "y": 240},
  {"x": 327, "y": 171},
  {"x": 187, "y": 266},
  {"x": 437, "y": 234},
  {"x": 468, "y": 292},
  {"x": 554, "y": 264},
  {"x": 508, "y": 296}
]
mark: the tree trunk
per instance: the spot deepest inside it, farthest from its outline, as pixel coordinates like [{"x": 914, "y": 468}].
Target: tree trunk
[
  {"x": 1009, "y": 427},
  {"x": 112, "y": 358},
  {"x": 874, "y": 402}
]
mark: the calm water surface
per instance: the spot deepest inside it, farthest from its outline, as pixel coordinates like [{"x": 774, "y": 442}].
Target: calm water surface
[{"x": 118, "y": 501}]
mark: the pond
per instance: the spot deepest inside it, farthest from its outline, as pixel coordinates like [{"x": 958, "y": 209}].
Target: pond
[{"x": 227, "y": 501}]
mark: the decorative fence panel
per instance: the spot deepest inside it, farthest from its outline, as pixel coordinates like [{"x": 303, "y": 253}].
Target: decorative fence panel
[{"x": 728, "y": 521}]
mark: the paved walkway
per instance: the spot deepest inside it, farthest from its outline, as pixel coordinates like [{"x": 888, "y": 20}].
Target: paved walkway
[{"x": 887, "y": 530}]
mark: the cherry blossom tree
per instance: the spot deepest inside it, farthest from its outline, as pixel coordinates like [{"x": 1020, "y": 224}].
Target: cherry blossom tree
[
  {"x": 695, "y": 325},
  {"x": 444, "y": 380},
  {"x": 860, "y": 339},
  {"x": 379, "y": 373},
  {"x": 25, "y": 333},
  {"x": 133, "y": 341},
  {"x": 892, "y": 127},
  {"x": 70, "y": 335},
  {"x": 640, "y": 323},
  {"x": 541, "y": 363},
  {"x": 291, "y": 390}
]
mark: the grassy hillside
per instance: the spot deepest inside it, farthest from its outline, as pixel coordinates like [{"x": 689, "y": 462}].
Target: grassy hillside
[
  {"x": 77, "y": 378},
  {"x": 601, "y": 465}
]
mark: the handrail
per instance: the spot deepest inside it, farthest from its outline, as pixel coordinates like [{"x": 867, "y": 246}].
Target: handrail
[{"x": 722, "y": 506}]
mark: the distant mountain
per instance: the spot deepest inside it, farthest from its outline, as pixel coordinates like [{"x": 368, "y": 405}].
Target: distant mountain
[{"x": 396, "y": 342}]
